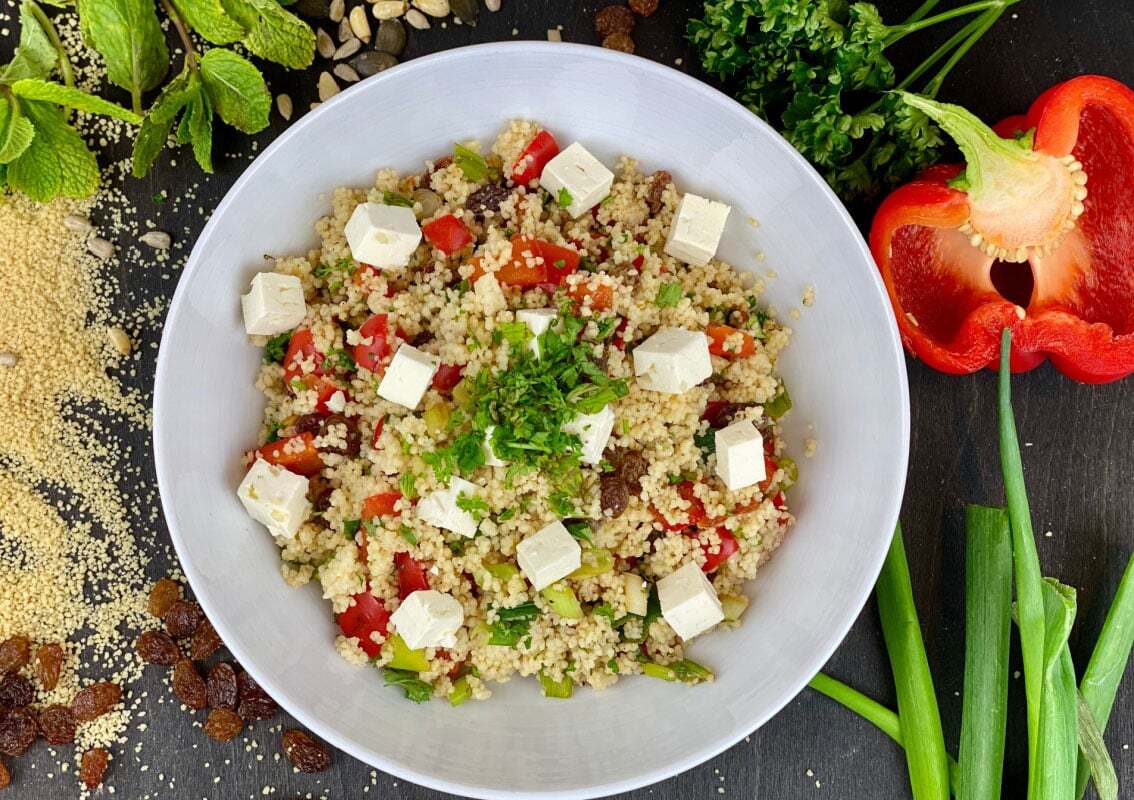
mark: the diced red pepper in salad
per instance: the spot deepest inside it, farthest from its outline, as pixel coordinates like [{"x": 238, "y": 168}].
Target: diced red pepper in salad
[
  {"x": 695, "y": 514},
  {"x": 448, "y": 234},
  {"x": 594, "y": 293},
  {"x": 296, "y": 454},
  {"x": 557, "y": 263},
  {"x": 368, "y": 615},
  {"x": 382, "y": 504},
  {"x": 300, "y": 348},
  {"x": 376, "y": 345},
  {"x": 377, "y": 432},
  {"x": 447, "y": 376},
  {"x": 534, "y": 158},
  {"x": 719, "y": 335},
  {"x": 729, "y": 547},
  {"x": 411, "y": 575}
]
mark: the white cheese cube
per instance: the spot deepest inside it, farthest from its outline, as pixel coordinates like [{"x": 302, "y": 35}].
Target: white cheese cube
[
  {"x": 688, "y": 601},
  {"x": 538, "y": 320},
  {"x": 576, "y": 178},
  {"x": 549, "y": 555},
  {"x": 740, "y": 455},
  {"x": 428, "y": 618},
  {"x": 490, "y": 457},
  {"x": 408, "y": 376},
  {"x": 593, "y": 431},
  {"x": 382, "y": 236},
  {"x": 696, "y": 230},
  {"x": 637, "y": 595},
  {"x": 275, "y": 497},
  {"x": 274, "y": 305},
  {"x": 440, "y": 508},
  {"x": 673, "y": 360}
]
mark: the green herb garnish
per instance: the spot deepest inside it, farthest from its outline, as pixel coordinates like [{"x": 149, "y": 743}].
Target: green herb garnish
[
  {"x": 395, "y": 199},
  {"x": 471, "y": 163},
  {"x": 474, "y": 505},
  {"x": 668, "y": 295},
  {"x": 564, "y": 198},
  {"x": 416, "y": 689},
  {"x": 273, "y": 431},
  {"x": 350, "y": 527},
  {"x": 276, "y": 348},
  {"x": 516, "y": 333},
  {"x": 408, "y": 485},
  {"x": 512, "y": 624},
  {"x": 580, "y": 530},
  {"x": 406, "y": 532}
]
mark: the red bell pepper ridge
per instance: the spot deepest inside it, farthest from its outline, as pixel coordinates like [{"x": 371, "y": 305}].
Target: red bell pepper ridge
[
  {"x": 1021, "y": 204},
  {"x": 447, "y": 376},
  {"x": 367, "y": 615},
  {"x": 377, "y": 432},
  {"x": 534, "y": 158},
  {"x": 296, "y": 454},
  {"x": 411, "y": 575},
  {"x": 728, "y": 549},
  {"x": 373, "y": 355},
  {"x": 448, "y": 234},
  {"x": 381, "y": 504}
]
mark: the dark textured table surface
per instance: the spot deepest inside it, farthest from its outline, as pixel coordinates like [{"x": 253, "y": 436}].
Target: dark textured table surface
[{"x": 1079, "y": 460}]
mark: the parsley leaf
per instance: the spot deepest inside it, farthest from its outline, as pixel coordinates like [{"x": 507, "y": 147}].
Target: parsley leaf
[
  {"x": 476, "y": 506},
  {"x": 394, "y": 199},
  {"x": 565, "y": 199},
  {"x": 350, "y": 527},
  {"x": 407, "y": 485},
  {"x": 668, "y": 295},
  {"x": 416, "y": 689},
  {"x": 406, "y": 532},
  {"x": 581, "y": 530},
  {"x": 512, "y": 624}
]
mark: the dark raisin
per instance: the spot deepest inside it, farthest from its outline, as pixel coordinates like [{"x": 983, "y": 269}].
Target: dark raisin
[
  {"x": 421, "y": 337},
  {"x": 737, "y": 317},
  {"x": 205, "y": 641},
  {"x": 18, "y": 730},
  {"x": 158, "y": 647},
  {"x": 612, "y": 20},
  {"x": 643, "y": 7},
  {"x": 722, "y": 417},
  {"x": 348, "y": 429},
  {"x": 223, "y": 691},
  {"x": 304, "y": 753},
  {"x": 188, "y": 685},
  {"x": 57, "y": 724},
  {"x": 223, "y": 725},
  {"x": 15, "y": 652},
  {"x": 309, "y": 423},
  {"x": 487, "y": 198},
  {"x": 5, "y": 776},
  {"x": 16, "y": 691},
  {"x": 254, "y": 701},
  {"x": 658, "y": 181},
  {"x": 613, "y": 494},
  {"x": 93, "y": 766},
  {"x": 630, "y": 465},
  {"x": 319, "y": 491},
  {"x": 165, "y": 593},
  {"x": 95, "y": 700},
  {"x": 619, "y": 41},
  {"x": 48, "y": 663},
  {"x": 183, "y": 618}
]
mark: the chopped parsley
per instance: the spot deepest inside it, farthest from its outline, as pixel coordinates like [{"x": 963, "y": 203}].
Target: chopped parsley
[
  {"x": 276, "y": 348},
  {"x": 607, "y": 327},
  {"x": 406, "y": 532},
  {"x": 395, "y": 199},
  {"x": 471, "y": 163},
  {"x": 344, "y": 266},
  {"x": 476, "y": 506},
  {"x": 416, "y": 689},
  {"x": 565, "y": 199},
  {"x": 342, "y": 359},
  {"x": 512, "y": 624},
  {"x": 669, "y": 295},
  {"x": 587, "y": 264},
  {"x": 350, "y": 527},
  {"x": 706, "y": 441},
  {"x": 612, "y": 665},
  {"x": 581, "y": 530},
  {"x": 603, "y": 610},
  {"x": 456, "y": 546},
  {"x": 517, "y": 333},
  {"x": 408, "y": 485},
  {"x": 273, "y": 431},
  {"x": 506, "y": 515}
]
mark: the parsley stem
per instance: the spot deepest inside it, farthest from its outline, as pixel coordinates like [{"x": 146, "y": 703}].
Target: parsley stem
[
  {"x": 922, "y": 10},
  {"x": 988, "y": 19},
  {"x": 182, "y": 33},
  {"x": 899, "y": 32},
  {"x": 52, "y": 34}
]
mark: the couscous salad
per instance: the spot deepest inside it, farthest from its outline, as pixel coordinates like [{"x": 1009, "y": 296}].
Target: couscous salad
[{"x": 520, "y": 420}]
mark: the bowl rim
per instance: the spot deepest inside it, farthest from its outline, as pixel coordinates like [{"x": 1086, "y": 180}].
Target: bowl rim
[{"x": 704, "y": 751}]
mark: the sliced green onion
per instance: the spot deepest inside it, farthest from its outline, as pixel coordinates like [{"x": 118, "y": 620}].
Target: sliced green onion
[
  {"x": 502, "y": 572},
  {"x": 1093, "y": 752},
  {"x": 562, "y": 688},
  {"x": 563, "y": 601},
  {"x": 470, "y": 162},
  {"x": 595, "y": 561},
  {"x": 778, "y": 405},
  {"x": 460, "y": 692},
  {"x": 659, "y": 671}
]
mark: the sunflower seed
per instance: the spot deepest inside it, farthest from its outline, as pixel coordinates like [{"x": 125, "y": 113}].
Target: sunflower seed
[
  {"x": 492, "y": 5},
  {"x": 8, "y": 359},
  {"x": 337, "y": 10},
  {"x": 434, "y": 8},
  {"x": 324, "y": 43},
  {"x": 388, "y": 9},
  {"x": 466, "y": 11},
  {"x": 346, "y": 72},
  {"x": 120, "y": 340},
  {"x": 284, "y": 106},
  {"x": 344, "y": 30},
  {"x": 99, "y": 247},
  {"x": 372, "y": 62},
  {"x": 417, "y": 20},
  {"x": 553, "y": 35},
  {"x": 347, "y": 49},
  {"x": 77, "y": 223},
  {"x": 158, "y": 240},
  {"x": 391, "y": 37},
  {"x": 327, "y": 87},
  {"x": 359, "y": 23},
  {"x": 313, "y": 106}
]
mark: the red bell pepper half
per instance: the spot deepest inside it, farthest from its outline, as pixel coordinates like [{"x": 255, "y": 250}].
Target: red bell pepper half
[{"x": 1035, "y": 233}]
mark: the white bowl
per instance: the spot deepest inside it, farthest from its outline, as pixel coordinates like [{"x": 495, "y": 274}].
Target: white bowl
[{"x": 844, "y": 367}]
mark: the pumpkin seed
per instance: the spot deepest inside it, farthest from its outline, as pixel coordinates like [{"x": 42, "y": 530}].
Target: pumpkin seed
[
  {"x": 359, "y": 23},
  {"x": 337, "y": 10},
  {"x": 347, "y": 49},
  {"x": 372, "y": 62},
  {"x": 434, "y": 8},
  {"x": 388, "y": 9},
  {"x": 284, "y": 106},
  {"x": 417, "y": 20},
  {"x": 346, "y": 72},
  {"x": 327, "y": 87},
  {"x": 429, "y": 200},
  {"x": 467, "y": 11},
  {"x": 324, "y": 43},
  {"x": 391, "y": 37}
]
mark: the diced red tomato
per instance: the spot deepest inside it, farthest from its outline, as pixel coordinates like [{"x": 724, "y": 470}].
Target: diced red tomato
[
  {"x": 299, "y": 349},
  {"x": 411, "y": 575},
  {"x": 600, "y": 294},
  {"x": 619, "y": 340},
  {"x": 719, "y": 334},
  {"x": 381, "y": 504},
  {"x": 446, "y": 377},
  {"x": 534, "y": 158},
  {"x": 448, "y": 234},
  {"x": 373, "y": 356},
  {"x": 713, "y": 411},
  {"x": 324, "y": 389},
  {"x": 377, "y": 432},
  {"x": 727, "y": 550},
  {"x": 779, "y": 501},
  {"x": 296, "y": 454},
  {"x": 558, "y": 263},
  {"x": 638, "y": 262},
  {"x": 695, "y": 514},
  {"x": 367, "y": 615},
  {"x": 770, "y": 467},
  {"x": 561, "y": 261}
]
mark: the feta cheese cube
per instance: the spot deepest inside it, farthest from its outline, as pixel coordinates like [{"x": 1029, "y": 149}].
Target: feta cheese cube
[
  {"x": 637, "y": 595},
  {"x": 490, "y": 457},
  {"x": 696, "y": 230},
  {"x": 549, "y": 555},
  {"x": 408, "y": 376},
  {"x": 274, "y": 305},
  {"x": 275, "y": 497},
  {"x": 577, "y": 178},
  {"x": 688, "y": 601},
  {"x": 673, "y": 360},
  {"x": 740, "y": 455},
  {"x": 428, "y": 618},
  {"x": 538, "y": 320},
  {"x": 382, "y": 236},
  {"x": 440, "y": 509},
  {"x": 593, "y": 431}
]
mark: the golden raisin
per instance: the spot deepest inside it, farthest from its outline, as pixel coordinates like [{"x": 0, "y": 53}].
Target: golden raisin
[
  {"x": 182, "y": 618},
  {"x": 165, "y": 593},
  {"x": 93, "y": 766},
  {"x": 188, "y": 685},
  {"x": 48, "y": 663},
  {"x": 643, "y": 8},
  {"x": 5, "y": 776},
  {"x": 614, "y": 19},
  {"x": 304, "y": 753},
  {"x": 57, "y": 724},
  {"x": 14, "y": 653},
  {"x": 95, "y": 700},
  {"x": 205, "y": 641},
  {"x": 158, "y": 647},
  {"x": 223, "y": 725},
  {"x": 619, "y": 41}
]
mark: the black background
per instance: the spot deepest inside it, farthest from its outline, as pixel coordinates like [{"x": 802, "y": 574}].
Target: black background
[{"x": 1079, "y": 463}]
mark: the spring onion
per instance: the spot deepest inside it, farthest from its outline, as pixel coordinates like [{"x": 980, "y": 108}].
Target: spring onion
[
  {"x": 562, "y": 688},
  {"x": 1058, "y": 726}
]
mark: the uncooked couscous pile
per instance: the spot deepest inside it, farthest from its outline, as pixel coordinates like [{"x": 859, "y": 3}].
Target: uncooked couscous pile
[{"x": 520, "y": 420}]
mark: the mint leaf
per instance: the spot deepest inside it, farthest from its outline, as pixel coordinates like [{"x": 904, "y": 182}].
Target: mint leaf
[
  {"x": 127, "y": 35},
  {"x": 35, "y": 56},
  {"x": 209, "y": 19},
  {"x": 16, "y": 133},
  {"x": 236, "y": 90},
  {"x": 57, "y": 162},
  {"x": 199, "y": 119},
  {"x": 36, "y": 89},
  {"x": 158, "y": 122},
  {"x": 273, "y": 33}
]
